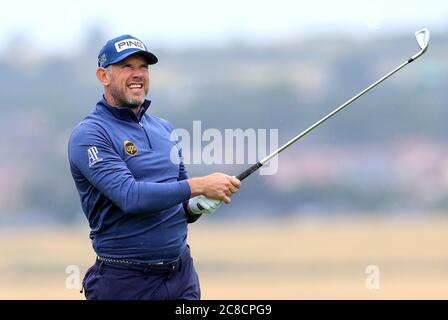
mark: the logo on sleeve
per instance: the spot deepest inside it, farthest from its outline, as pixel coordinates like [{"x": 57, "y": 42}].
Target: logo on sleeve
[
  {"x": 92, "y": 152},
  {"x": 130, "y": 148}
]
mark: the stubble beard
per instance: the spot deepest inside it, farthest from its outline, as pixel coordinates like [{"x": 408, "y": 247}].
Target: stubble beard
[{"x": 122, "y": 100}]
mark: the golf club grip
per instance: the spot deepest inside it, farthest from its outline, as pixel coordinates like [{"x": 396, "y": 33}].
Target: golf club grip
[{"x": 243, "y": 175}]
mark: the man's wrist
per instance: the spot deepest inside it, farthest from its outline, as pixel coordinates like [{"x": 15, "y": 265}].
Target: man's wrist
[{"x": 196, "y": 186}]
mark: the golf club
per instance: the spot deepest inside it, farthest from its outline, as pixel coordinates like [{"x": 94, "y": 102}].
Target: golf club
[{"x": 422, "y": 40}]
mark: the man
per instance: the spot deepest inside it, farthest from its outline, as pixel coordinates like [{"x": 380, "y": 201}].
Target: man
[{"x": 137, "y": 199}]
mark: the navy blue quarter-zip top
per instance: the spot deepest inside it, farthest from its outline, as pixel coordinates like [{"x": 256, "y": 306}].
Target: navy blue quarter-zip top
[{"x": 132, "y": 193}]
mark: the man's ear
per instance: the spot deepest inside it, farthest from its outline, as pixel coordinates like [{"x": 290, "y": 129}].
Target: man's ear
[{"x": 101, "y": 74}]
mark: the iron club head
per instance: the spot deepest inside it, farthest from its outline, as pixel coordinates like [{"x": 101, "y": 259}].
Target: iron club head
[{"x": 422, "y": 37}]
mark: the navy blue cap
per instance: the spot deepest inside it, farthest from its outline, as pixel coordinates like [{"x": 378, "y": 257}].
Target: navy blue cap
[{"x": 120, "y": 48}]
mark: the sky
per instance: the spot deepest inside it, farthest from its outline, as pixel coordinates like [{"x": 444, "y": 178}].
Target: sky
[{"x": 50, "y": 24}]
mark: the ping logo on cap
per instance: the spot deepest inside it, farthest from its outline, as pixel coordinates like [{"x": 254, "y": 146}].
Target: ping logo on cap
[{"x": 129, "y": 44}]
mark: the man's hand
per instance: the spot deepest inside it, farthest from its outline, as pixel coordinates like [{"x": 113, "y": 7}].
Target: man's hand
[
  {"x": 203, "y": 205},
  {"x": 217, "y": 186}
]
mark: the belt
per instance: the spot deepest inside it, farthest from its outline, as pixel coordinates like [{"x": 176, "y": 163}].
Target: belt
[{"x": 124, "y": 261}]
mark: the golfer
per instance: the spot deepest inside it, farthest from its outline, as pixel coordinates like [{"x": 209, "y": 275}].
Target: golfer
[{"x": 136, "y": 196}]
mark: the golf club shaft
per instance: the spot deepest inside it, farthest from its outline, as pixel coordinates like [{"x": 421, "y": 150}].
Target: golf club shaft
[
  {"x": 328, "y": 116},
  {"x": 260, "y": 163}
]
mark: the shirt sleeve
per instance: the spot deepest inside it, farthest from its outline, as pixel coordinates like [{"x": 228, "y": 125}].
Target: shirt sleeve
[{"x": 91, "y": 152}]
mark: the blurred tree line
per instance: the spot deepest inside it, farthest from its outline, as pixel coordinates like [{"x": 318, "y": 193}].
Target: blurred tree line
[{"x": 285, "y": 86}]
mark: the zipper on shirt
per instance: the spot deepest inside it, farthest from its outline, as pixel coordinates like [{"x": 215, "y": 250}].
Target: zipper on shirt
[{"x": 146, "y": 134}]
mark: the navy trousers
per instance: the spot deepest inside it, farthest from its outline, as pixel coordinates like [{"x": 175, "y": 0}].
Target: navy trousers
[{"x": 119, "y": 281}]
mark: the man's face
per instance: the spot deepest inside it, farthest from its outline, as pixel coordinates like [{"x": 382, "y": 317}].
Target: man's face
[{"x": 128, "y": 81}]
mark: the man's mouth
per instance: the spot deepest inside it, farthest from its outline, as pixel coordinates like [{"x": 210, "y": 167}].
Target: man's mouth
[{"x": 135, "y": 86}]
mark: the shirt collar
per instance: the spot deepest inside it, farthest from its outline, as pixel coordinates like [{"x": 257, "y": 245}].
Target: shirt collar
[{"x": 124, "y": 113}]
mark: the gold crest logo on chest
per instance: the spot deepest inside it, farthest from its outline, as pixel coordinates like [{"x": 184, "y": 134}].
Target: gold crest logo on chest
[{"x": 130, "y": 147}]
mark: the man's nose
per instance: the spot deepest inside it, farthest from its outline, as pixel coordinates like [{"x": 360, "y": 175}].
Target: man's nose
[{"x": 138, "y": 73}]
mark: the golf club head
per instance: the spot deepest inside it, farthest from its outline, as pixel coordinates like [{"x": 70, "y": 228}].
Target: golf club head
[{"x": 422, "y": 37}]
